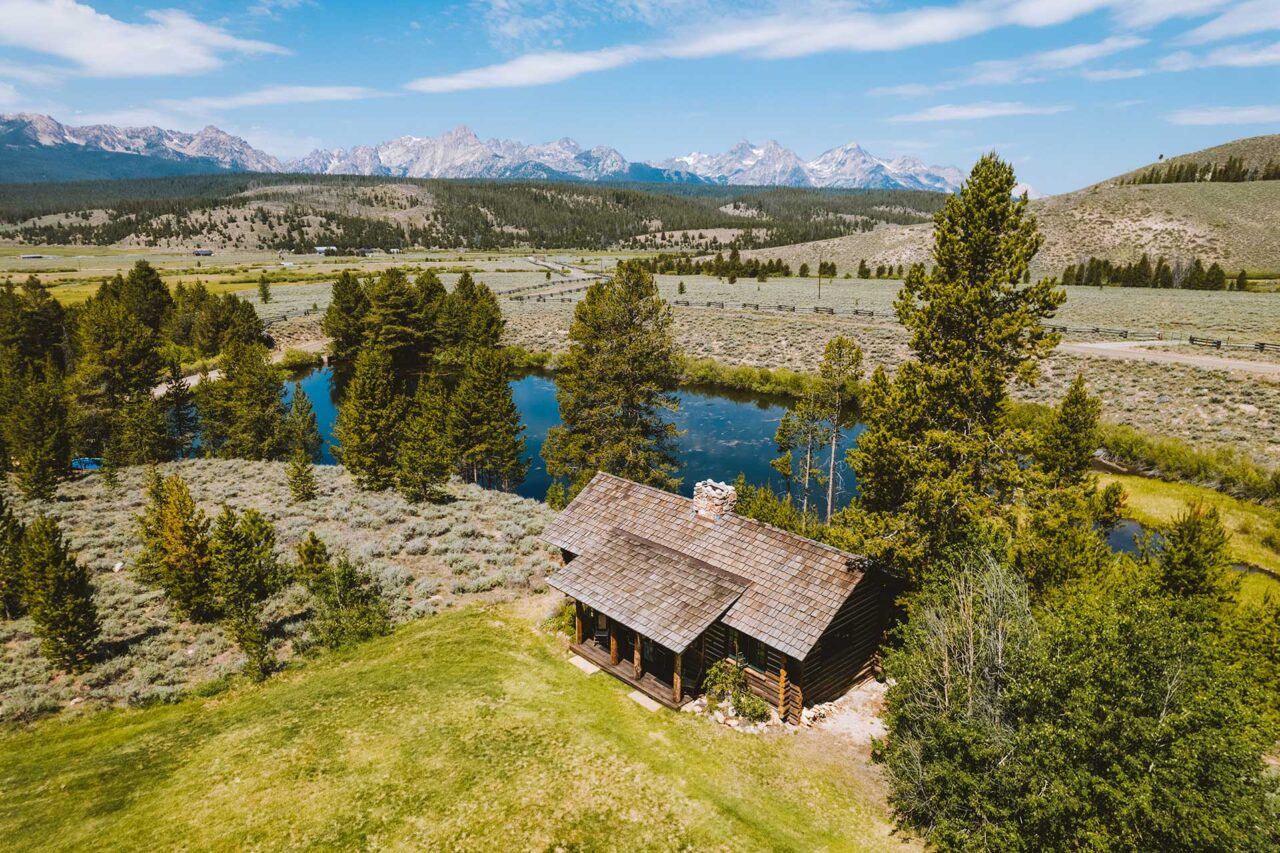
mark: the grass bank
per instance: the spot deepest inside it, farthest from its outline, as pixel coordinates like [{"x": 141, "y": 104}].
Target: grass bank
[
  {"x": 466, "y": 731},
  {"x": 1254, "y": 530}
]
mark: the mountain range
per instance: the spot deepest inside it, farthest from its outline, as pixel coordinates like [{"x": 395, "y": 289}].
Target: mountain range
[{"x": 39, "y": 148}]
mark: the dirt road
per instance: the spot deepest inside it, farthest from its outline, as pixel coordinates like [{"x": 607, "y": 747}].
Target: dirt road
[{"x": 1153, "y": 351}]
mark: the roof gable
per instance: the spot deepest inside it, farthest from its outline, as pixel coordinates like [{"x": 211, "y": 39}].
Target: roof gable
[{"x": 794, "y": 588}]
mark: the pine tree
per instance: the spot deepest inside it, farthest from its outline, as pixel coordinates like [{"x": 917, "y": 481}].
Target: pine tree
[
  {"x": 145, "y": 295},
  {"x": 139, "y": 434},
  {"x": 938, "y": 459},
  {"x": 613, "y": 386},
  {"x": 176, "y": 548},
  {"x": 11, "y": 575},
  {"x": 302, "y": 479},
  {"x": 301, "y": 427},
  {"x": 38, "y": 435},
  {"x": 429, "y": 295},
  {"x": 348, "y": 607},
  {"x": 245, "y": 573},
  {"x": 484, "y": 423},
  {"x": 785, "y": 438},
  {"x": 840, "y": 371},
  {"x": 371, "y": 420},
  {"x": 1193, "y": 560},
  {"x": 1065, "y": 450},
  {"x": 242, "y": 414},
  {"x": 390, "y": 321},
  {"x": 427, "y": 457},
  {"x": 1242, "y": 281},
  {"x": 180, "y": 412},
  {"x": 485, "y": 323},
  {"x": 344, "y": 320},
  {"x": 59, "y": 597},
  {"x": 264, "y": 289},
  {"x": 117, "y": 357}
]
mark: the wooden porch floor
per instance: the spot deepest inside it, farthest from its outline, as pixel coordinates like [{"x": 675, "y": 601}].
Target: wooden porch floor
[{"x": 624, "y": 671}]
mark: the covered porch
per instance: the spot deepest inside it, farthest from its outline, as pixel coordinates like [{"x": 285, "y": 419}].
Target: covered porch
[
  {"x": 641, "y": 610},
  {"x": 625, "y": 660}
]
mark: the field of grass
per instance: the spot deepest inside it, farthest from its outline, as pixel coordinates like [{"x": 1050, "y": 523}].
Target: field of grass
[
  {"x": 1254, "y": 530},
  {"x": 423, "y": 559},
  {"x": 466, "y": 731}
]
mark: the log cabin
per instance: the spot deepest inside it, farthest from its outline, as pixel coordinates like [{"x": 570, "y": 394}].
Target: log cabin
[{"x": 663, "y": 586}]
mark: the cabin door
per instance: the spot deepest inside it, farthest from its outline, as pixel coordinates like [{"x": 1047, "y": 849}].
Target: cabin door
[{"x": 657, "y": 660}]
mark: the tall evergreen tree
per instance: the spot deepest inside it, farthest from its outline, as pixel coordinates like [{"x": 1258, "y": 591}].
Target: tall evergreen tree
[
  {"x": 301, "y": 427},
  {"x": 59, "y": 597},
  {"x": 11, "y": 574},
  {"x": 390, "y": 324},
  {"x": 245, "y": 574},
  {"x": 117, "y": 357},
  {"x": 938, "y": 461},
  {"x": 840, "y": 371},
  {"x": 180, "y": 412},
  {"x": 264, "y": 289},
  {"x": 1193, "y": 561},
  {"x": 176, "y": 549},
  {"x": 613, "y": 387},
  {"x": 1065, "y": 450},
  {"x": 302, "y": 477},
  {"x": 38, "y": 435},
  {"x": 242, "y": 414},
  {"x": 370, "y": 421},
  {"x": 145, "y": 295},
  {"x": 344, "y": 319},
  {"x": 427, "y": 456},
  {"x": 139, "y": 434},
  {"x": 785, "y": 438},
  {"x": 484, "y": 423},
  {"x": 429, "y": 296}
]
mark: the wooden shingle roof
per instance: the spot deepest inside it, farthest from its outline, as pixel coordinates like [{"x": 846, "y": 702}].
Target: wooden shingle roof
[
  {"x": 794, "y": 586},
  {"x": 666, "y": 596}
]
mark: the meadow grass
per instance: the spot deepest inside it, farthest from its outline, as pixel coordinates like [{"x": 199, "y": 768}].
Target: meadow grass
[
  {"x": 1254, "y": 529},
  {"x": 465, "y": 731}
]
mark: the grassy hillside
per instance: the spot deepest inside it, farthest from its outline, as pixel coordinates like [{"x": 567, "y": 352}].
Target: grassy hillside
[
  {"x": 1255, "y": 151},
  {"x": 1235, "y": 224},
  {"x": 467, "y": 731},
  {"x": 297, "y": 212}
]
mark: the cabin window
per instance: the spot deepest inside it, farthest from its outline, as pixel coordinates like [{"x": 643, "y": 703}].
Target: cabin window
[{"x": 749, "y": 651}]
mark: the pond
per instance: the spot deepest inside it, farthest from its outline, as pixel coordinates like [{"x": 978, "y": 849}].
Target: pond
[{"x": 723, "y": 433}]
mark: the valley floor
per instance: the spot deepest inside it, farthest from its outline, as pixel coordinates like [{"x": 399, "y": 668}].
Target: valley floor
[{"x": 466, "y": 731}]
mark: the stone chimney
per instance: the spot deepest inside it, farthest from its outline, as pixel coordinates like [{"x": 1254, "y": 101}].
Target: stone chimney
[{"x": 712, "y": 499}]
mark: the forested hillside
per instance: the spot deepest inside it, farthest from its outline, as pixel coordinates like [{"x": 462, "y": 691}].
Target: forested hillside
[{"x": 298, "y": 212}]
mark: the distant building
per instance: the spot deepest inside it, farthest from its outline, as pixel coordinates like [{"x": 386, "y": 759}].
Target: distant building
[
  {"x": 326, "y": 250},
  {"x": 203, "y": 253},
  {"x": 32, "y": 257}
]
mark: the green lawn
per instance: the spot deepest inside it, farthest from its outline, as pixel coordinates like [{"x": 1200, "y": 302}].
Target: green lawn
[
  {"x": 466, "y": 731},
  {"x": 1154, "y": 502}
]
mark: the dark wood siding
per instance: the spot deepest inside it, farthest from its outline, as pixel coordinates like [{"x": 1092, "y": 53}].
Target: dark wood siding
[{"x": 844, "y": 653}]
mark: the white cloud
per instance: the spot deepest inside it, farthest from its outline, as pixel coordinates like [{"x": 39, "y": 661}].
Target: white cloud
[
  {"x": 980, "y": 110},
  {"x": 271, "y": 8},
  {"x": 172, "y": 42},
  {"x": 534, "y": 69},
  {"x": 1231, "y": 56},
  {"x": 9, "y": 96},
  {"x": 1260, "y": 114},
  {"x": 1106, "y": 75},
  {"x": 1253, "y": 16},
  {"x": 814, "y": 29},
  {"x": 1029, "y": 68},
  {"x": 273, "y": 96},
  {"x": 902, "y": 90},
  {"x": 136, "y": 117}
]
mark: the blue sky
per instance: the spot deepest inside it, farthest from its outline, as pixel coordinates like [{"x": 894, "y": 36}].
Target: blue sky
[{"x": 1072, "y": 91}]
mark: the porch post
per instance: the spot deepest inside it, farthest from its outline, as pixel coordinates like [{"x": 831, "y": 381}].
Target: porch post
[
  {"x": 675, "y": 681},
  {"x": 636, "y": 663},
  {"x": 782, "y": 688},
  {"x": 613, "y": 643},
  {"x": 577, "y": 623}
]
